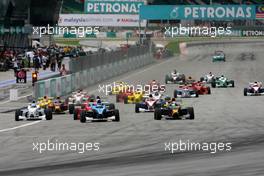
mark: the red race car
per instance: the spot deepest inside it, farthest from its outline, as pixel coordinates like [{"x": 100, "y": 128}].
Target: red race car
[
  {"x": 123, "y": 95},
  {"x": 84, "y": 107},
  {"x": 200, "y": 88}
]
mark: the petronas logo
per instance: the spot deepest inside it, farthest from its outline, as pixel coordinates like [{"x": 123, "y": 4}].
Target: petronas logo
[{"x": 174, "y": 13}]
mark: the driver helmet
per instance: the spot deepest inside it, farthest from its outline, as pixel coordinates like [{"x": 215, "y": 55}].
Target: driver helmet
[
  {"x": 99, "y": 101},
  {"x": 33, "y": 105},
  {"x": 210, "y": 73},
  {"x": 175, "y": 71},
  {"x": 156, "y": 93}
]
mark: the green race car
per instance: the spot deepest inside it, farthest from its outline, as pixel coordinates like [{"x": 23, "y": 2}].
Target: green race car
[
  {"x": 222, "y": 82},
  {"x": 219, "y": 56}
]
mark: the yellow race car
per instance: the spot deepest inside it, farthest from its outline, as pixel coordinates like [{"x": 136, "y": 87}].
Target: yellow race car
[
  {"x": 130, "y": 97},
  {"x": 118, "y": 87},
  {"x": 45, "y": 102}
]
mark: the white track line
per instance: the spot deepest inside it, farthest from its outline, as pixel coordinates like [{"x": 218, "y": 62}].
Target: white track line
[{"x": 21, "y": 126}]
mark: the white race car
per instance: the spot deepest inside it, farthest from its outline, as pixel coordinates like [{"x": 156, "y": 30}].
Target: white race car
[
  {"x": 207, "y": 78},
  {"x": 254, "y": 89},
  {"x": 76, "y": 99},
  {"x": 33, "y": 112}
]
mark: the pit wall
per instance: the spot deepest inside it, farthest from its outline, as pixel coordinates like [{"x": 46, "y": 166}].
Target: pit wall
[{"x": 63, "y": 86}]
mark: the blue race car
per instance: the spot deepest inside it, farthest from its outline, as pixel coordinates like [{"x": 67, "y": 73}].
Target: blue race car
[{"x": 100, "y": 112}]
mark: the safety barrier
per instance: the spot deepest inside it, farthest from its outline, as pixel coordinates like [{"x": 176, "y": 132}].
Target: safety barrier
[{"x": 62, "y": 86}]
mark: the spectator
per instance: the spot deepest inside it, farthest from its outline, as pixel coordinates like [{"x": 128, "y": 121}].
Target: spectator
[
  {"x": 53, "y": 63},
  {"x": 63, "y": 70}
]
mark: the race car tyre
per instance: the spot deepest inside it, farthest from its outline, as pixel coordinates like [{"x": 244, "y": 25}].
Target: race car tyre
[
  {"x": 117, "y": 117},
  {"x": 111, "y": 106},
  {"x": 17, "y": 114},
  {"x": 175, "y": 94},
  {"x": 209, "y": 90},
  {"x": 48, "y": 113},
  {"x": 75, "y": 115},
  {"x": 82, "y": 117},
  {"x": 126, "y": 100},
  {"x": 167, "y": 78},
  {"x": 137, "y": 106},
  {"x": 71, "y": 108},
  {"x": 196, "y": 94},
  {"x": 232, "y": 83},
  {"x": 213, "y": 84},
  {"x": 157, "y": 114},
  {"x": 191, "y": 112},
  {"x": 117, "y": 98},
  {"x": 245, "y": 91}
]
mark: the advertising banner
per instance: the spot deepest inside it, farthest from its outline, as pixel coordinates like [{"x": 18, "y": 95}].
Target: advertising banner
[
  {"x": 201, "y": 12},
  {"x": 100, "y": 20},
  {"x": 112, "y": 7}
]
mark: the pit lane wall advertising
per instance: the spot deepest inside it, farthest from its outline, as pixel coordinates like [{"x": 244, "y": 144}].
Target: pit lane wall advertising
[
  {"x": 122, "y": 13},
  {"x": 100, "y": 20},
  {"x": 63, "y": 86},
  {"x": 201, "y": 12}
]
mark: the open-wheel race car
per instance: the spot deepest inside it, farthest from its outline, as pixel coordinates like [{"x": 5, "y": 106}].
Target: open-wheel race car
[
  {"x": 208, "y": 78},
  {"x": 175, "y": 78},
  {"x": 222, "y": 82},
  {"x": 149, "y": 103},
  {"x": 174, "y": 110},
  {"x": 254, "y": 89},
  {"x": 100, "y": 111},
  {"x": 119, "y": 86},
  {"x": 77, "y": 99},
  {"x": 33, "y": 112},
  {"x": 219, "y": 56},
  {"x": 185, "y": 91},
  {"x": 200, "y": 88},
  {"x": 130, "y": 97}
]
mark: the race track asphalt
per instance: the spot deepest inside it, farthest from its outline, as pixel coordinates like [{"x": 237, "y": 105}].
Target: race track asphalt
[{"x": 135, "y": 145}]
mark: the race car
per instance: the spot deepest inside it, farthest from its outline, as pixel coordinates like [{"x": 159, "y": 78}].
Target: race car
[
  {"x": 130, "y": 97},
  {"x": 59, "y": 105},
  {"x": 154, "y": 86},
  {"x": 100, "y": 111},
  {"x": 219, "y": 56},
  {"x": 200, "y": 88},
  {"x": 174, "y": 110},
  {"x": 185, "y": 91},
  {"x": 149, "y": 104},
  {"x": 84, "y": 107},
  {"x": 118, "y": 87},
  {"x": 175, "y": 78},
  {"x": 77, "y": 99},
  {"x": 207, "y": 78},
  {"x": 254, "y": 89},
  {"x": 222, "y": 82},
  {"x": 45, "y": 102},
  {"x": 33, "y": 112}
]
